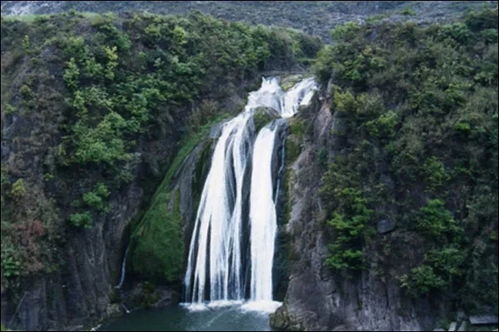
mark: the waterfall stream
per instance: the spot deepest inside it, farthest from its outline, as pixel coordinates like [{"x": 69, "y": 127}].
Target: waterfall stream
[
  {"x": 123, "y": 267},
  {"x": 226, "y": 263}
]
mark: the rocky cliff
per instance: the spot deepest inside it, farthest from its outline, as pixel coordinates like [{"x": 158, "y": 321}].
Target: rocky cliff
[
  {"x": 392, "y": 210},
  {"x": 316, "y": 298}
]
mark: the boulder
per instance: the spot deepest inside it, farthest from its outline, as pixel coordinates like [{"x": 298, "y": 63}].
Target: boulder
[{"x": 385, "y": 225}]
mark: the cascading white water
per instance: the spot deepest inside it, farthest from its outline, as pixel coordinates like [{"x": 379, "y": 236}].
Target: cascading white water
[
  {"x": 217, "y": 232},
  {"x": 299, "y": 95},
  {"x": 263, "y": 220},
  {"x": 216, "y": 265}
]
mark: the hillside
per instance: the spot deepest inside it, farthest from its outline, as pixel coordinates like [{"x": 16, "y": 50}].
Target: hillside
[{"x": 312, "y": 17}]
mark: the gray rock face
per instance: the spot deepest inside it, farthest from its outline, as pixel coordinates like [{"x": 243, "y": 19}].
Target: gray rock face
[
  {"x": 79, "y": 294},
  {"x": 317, "y": 299},
  {"x": 483, "y": 319},
  {"x": 384, "y": 226},
  {"x": 215, "y": 131}
]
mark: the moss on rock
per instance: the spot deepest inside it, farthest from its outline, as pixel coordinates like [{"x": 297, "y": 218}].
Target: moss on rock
[
  {"x": 157, "y": 252},
  {"x": 263, "y": 115}
]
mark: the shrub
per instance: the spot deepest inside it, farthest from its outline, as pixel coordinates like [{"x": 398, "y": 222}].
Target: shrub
[
  {"x": 350, "y": 227},
  {"x": 9, "y": 109},
  {"x": 384, "y": 125},
  {"x": 71, "y": 74},
  {"x": 26, "y": 92},
  {"x": 83, "y": 220},
  {"x": 96, "y": 198},
  {"x": 18, "y": 188},
  {"x": 421, "y": 280},
  {"x": 93, "y": 200},
  {"x": 11, "y": 264},
  {"x": 434, "y": 220},
  {"x": 439, "y": 270},
  {"x": 434, "y": 172}
]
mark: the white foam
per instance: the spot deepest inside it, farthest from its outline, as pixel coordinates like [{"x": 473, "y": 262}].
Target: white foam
[
  {"x": 196, "y": 306},
  {"x": 223, "y": 303},
  {"x": 261, "y": 306}
]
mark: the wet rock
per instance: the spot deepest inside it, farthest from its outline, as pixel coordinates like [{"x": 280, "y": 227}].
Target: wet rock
[
  {"x": 165, "y": 297},
  {"x": 283, "y": 320},
  {"x": 280, "y": 319},
  {"x": 147, "y": 295}
]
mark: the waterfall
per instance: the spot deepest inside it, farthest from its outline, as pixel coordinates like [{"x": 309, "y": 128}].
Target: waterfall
[
  {"x": 263, "y": 221},
  {"x": 217, "y": 261},
  {"x": 123, "y": 266}
]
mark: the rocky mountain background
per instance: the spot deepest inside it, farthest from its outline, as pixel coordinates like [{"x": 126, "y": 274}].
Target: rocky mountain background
[{"x": 312, "y": 17}]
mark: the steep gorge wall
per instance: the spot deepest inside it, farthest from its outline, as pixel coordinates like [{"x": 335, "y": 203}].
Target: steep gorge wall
[
  {"x": 395, "y": 187},
  {"x": 316, "y": 298}
]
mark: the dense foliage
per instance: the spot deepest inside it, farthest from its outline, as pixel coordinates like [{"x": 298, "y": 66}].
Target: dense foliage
[
  {"x": 418, "y": 114},
  {"x": 104, "y": 101}
]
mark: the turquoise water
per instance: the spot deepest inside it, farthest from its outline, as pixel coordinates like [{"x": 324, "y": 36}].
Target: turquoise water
[{"x": 178, "y": 318}]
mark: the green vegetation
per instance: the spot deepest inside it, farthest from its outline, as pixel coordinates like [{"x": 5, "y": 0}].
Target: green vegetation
[
  {"x": 419, "y": 105},
  {"x": 11, "y": 265},
  {"x": 96, "y": 198},
  {"x": 408, "y": 12},
  {"x": 103, "y": 101},
  {"x": 261, "y": 119},
  {"x": 349, "y": 227},
  {"x": 18, "y": 188},
  {"x": 157, "y": 251},
  {"x": 81, "y": 219},
  {"x": 350, "y": 219},
  {"x": 434, "y": 221}
]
